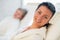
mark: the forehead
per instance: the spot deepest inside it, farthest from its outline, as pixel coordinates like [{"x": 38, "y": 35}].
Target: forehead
[
  {"x": 44, "y": 10},
  {"x": 20, "y": 11}
]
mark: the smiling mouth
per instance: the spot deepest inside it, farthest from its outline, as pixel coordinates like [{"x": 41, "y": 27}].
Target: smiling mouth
[{"x": 37, "y": 20}]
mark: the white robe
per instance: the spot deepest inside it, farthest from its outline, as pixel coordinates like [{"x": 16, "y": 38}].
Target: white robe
[
  {"x": 32, "y": 34},
  {"x": 8, "y": 27}
]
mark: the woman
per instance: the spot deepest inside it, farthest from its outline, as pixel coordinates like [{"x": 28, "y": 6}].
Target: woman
[{"x": 42, "y": 16}]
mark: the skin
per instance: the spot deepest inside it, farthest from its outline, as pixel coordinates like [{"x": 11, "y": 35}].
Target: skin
[
  {"x": 41, "y": 17},
  {"x": 18, "y": 14}
]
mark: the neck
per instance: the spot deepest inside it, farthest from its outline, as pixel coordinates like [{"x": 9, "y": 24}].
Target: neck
[{"x": 34, "y": 26}]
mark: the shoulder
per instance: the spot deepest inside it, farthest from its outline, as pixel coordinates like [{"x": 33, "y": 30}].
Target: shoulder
[
  {"x": 29, "y": 37},
  {"x": 33, "y": 34}
]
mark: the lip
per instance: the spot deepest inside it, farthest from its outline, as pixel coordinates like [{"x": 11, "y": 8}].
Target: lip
[{"x": 37, "y": 20}]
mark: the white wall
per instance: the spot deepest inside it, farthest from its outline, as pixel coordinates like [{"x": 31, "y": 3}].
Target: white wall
[
  {"x": 8, "y": 7},
  {"x": 27, "y": 21},
  {"x": 32, "y": 1},
  {"x": 55, "y": 2}
]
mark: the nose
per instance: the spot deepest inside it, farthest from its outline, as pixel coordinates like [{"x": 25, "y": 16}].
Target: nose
[{"x": 39, "y": 17}]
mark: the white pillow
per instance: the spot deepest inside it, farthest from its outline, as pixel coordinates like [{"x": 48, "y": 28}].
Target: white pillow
[{"x": 53, "y": 32}]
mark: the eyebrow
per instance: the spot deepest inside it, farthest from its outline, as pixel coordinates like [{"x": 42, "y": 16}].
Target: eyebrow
[{"x": 41, "y": 11}]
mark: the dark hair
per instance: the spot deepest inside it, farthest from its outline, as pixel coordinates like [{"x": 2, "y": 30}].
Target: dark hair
[
  {"x": 49, "y": 5},
  {"x": 48, "y": 25}
]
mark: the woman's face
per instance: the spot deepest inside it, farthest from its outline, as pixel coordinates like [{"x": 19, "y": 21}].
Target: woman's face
[
  {"x": 18, "y": 14},
  {"x": 42, "y": 16}
]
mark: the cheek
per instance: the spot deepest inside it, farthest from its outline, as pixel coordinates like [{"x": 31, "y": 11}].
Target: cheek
[
  {"x": 44, "y": 22},
  {"x": 17, "y": 15},
  {"x": 36, "y": 15}
]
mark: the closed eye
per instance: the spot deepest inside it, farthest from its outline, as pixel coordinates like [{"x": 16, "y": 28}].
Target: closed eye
[
  {"x": 46, "y": 17},
  {"x": 39, "y": 12}
]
